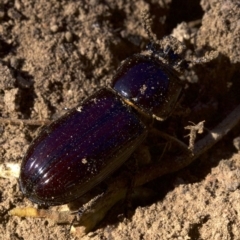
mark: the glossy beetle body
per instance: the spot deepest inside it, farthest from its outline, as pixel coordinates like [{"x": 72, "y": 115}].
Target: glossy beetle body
[
  {"x": 81, "y": 149},
  {"x": 148, "y": 84},
  {"x": 87, "y": 144}
]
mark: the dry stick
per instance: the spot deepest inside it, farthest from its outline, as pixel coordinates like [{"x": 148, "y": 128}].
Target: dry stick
[
  {"x": 25, "y": 121},
  {"x": 117, "y": 190}
]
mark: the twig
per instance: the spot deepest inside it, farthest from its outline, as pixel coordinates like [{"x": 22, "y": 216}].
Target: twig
[
  {"x": 194, "y": 129},
  {"x": 25, "y": 121}
]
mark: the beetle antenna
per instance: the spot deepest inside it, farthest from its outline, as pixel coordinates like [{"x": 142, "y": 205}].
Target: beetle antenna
[
  {"x": 147, "y": 22},
  {"x": 168, "y": 48}
]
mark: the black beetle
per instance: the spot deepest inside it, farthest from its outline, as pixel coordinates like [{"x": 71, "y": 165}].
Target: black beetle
[{"x": 91, "y": 141}]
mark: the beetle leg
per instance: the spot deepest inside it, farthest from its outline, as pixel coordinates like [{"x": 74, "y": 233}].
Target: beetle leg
[{"x": 167, "y": 137}]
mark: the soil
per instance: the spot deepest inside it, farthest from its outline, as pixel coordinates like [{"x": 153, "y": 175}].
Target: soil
[{"x": 56, "y": 53}]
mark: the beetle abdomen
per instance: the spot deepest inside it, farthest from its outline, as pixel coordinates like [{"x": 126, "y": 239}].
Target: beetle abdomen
[{"x": 79, "y": 150}]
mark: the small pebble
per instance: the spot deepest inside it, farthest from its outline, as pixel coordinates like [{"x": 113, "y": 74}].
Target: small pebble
[
  {"x": 2, "y": 14},
  {"x": 17, "y": 5},
  {"x": 14, "y": 62},
  {"x": 10, "y": 99},
  {"x": 54, "y": 28},
  {"x": 236, "y": 143},
  {"x": 68, "y": 36}
]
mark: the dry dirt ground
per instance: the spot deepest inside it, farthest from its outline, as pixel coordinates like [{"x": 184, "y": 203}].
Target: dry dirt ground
[{"x": 56, "y": 53}]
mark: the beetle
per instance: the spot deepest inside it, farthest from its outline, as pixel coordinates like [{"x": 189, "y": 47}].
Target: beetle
[{"x": 87, "y": 144}]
